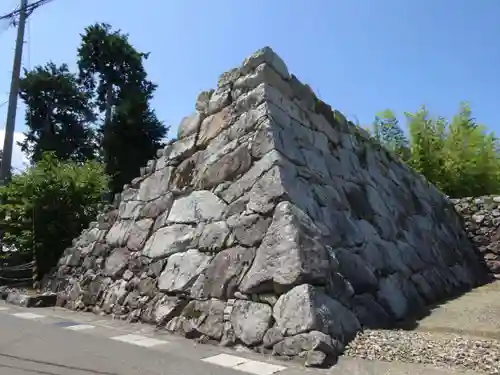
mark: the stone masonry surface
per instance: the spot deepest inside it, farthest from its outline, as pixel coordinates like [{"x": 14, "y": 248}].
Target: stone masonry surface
[
  {"x": 482, "y": 223},
  {"x": 272, "y": 222}
]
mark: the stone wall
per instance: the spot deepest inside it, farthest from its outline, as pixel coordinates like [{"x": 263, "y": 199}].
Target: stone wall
[
  {"x": 482, "y": 223},
  {"x": 271, "y": 222}
]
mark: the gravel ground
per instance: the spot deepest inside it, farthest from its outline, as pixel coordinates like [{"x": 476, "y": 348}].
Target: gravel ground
[{"x": 440, "y": 350}]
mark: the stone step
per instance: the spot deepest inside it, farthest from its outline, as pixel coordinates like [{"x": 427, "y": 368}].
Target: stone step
[{"x": 18, "y": 298}]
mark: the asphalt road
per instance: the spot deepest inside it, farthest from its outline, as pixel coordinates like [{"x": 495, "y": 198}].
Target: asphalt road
[
  {"x": 29, "y": 347},
  {"x": 61, "y": 342}
]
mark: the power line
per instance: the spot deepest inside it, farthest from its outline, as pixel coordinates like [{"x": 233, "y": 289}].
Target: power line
[{"x": 28, "y": 9}]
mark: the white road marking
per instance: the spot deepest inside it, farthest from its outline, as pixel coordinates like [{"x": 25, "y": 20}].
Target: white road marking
[
  {"x": 244, "y": 365},
  {"x": 80, "y": 327},
  {"x": 225, "y": 360},
  {"x": 4, "y": 308},
  {"x": 259, "y": 368},
  {"x": 28, "y": 316},
  {"x": 139, "y": 340}
]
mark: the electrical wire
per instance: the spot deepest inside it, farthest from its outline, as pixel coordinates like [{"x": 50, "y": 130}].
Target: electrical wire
[{"x": 29, "y": 9}]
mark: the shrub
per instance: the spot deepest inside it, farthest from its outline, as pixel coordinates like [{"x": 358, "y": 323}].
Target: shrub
[{"x": 48, "y": 205}]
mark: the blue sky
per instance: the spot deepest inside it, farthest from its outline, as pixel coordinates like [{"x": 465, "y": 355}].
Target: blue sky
[{"x": 360, "y": 56}]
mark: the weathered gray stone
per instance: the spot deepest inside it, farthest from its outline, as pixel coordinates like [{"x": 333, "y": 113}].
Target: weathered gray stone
[
  {"x": 115, "y": 295},
  {"x": 219, "y": 99},
  {"x": 250, "y": 229},
  {"x": 204, "y": 318},
  {"x": 159, "y": 206},
  {"x": 169, "y": 240},
  {"x": 119, "y": 232},
  {"x": 308, "y": 342},
  {"x": 181, "y": 270},
  {"x": 290, "y": 254},
  {"x": 189, "y": 125},
  {"x": 155, "y": 185},
  {"x": 227, "y": 78},
  {"x": 167, "y": 308},
  {"x": 272, "y": 336},
  {"x": 226, "y": 168},
  {"x": 202, "y": 100},
  {"x": 305, "y": 308},
  {"x": 214, "y": 236},
  {"x": 116, "y": 262},
  {"x": 391, "y": 296},
  {"x": 222, "y": 276},
  {"x": 24, "y": 300},
  {"x": 139, "y": 234},
  {"x": 146, "y": 287},
  {"x": 245, "y": 183},
  {"x": 156, "y": 267},
  {"x": 265, "y": 55},
  {"x": 250, "y": 321},
  {"x": 129, "y": 194},
  {"x": 130, "y": 209},
  {"x": 197, "y": 206},
  {"x": 481, "y": 216},
  {"x": 263, "y": 73},
  {"x": 266, "y": 192},
  {"x": 213, "y": 125},
  {"x": 369, "y": 313},
  {"x": 357, "y": 272},
  {"x": 315, "y": 358},
  {"x": 181, "y": 148}
]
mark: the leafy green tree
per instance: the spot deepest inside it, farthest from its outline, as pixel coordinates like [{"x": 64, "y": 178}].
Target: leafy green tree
[
  {"x": 130, "y": 139},
  {"x": 58, "y": 115},
  {"x": 113, "y": 70},
  {"x": 459, "y": 156},
  {"x": 470, "y": 157},
  {"x": 387, "y": 131},
  {"x": 108, "y": 65},
  {"x": 49, "y": 204},
  {"x": 427, "y": 137}
]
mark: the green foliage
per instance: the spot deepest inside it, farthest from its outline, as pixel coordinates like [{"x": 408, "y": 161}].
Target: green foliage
[
  {"x": 58, "y": 114},
  {"x": 459, "y": 156},
  {"x": 130, "y": 139},
  {"x": 427, "y": 136},
  {"x": 112, "y": 69},
  {"x": 106, "y": 60},
  {"x": 49, "y": 204},
  {"x": 388, "y": 132}
]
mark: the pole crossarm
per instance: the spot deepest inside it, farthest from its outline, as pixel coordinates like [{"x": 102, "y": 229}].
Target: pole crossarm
[{"x": 28, "y": 8}]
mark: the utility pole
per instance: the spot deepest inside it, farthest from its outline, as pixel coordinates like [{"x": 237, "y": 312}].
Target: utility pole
[{"x": 10, "y": 125}]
